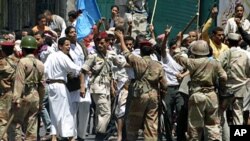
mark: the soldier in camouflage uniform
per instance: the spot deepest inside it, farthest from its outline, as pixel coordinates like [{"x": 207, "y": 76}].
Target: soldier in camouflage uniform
[
  {"x": 143, "y": 108},
  {"x": 99, "y": 63},
  {"x": 236, "y": 62},
  {"x": 27, "y": 94},
  {"x": 7, "y": 70},
  {"x": 203, "y": 101}
]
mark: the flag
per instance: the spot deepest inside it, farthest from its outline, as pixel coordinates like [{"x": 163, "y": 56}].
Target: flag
[{"x": 86, "y": 20}]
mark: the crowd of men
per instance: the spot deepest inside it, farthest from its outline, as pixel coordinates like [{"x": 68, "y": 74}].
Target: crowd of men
[{"x": 191, "y": 87}]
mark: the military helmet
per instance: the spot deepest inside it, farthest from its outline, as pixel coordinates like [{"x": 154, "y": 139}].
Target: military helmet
[
  {"x": 29, "y": 42},
  {"x": 199, "y": 47}
]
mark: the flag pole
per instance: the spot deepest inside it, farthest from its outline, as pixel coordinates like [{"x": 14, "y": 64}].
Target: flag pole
[
  {"x": 153, "y": 14},
  {"x": 198, "y": 15}
]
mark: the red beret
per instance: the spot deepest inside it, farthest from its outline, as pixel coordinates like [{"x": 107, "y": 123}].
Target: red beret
[
  {"x": 146, "y": 43},
  {"x": 7, "y": 44},
  {"x": 102, "y": 35}
]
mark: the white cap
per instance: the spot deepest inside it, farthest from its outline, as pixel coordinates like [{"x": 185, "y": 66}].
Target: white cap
[{"x": 234, "y": 36}]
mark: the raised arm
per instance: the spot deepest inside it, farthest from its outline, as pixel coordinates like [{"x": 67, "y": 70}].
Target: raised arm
[{"x": 163, "y": 45}]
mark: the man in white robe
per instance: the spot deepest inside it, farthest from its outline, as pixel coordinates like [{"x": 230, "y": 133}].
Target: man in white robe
[
  {"x": 81, "y": 106},
  {"x": 57, "y": 66}
]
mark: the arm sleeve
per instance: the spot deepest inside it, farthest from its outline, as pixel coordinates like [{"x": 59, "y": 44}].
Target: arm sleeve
[
  {"x": 41, "y": 88},
  {"x": 163, "y": 80},
  {"x": 204, "y": 33},
  {"x": 227, "y": 28},
  {"x": 245, "y": 35},
  {"x": 71, "y": 66},
  {"x": 88, "y": 63},
  {"x": 19, "y": 83}
]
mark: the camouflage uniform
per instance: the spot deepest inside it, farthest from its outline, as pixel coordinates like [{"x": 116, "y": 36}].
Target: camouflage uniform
[
  {"x": 203, "y": 101},
  {"x": 7, "y": 70},
  {"x": 100, "y": 83},
  {"x": 144, "y": 99},
  {"x": 138, "y": 15},
  {"x": 236, "y": 63},
  {"x": 29, "y": 88}
]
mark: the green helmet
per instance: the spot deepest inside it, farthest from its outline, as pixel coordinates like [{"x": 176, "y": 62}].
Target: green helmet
[
  {"x": 200, "y": 48},
  {"x": 29, "y": 42}
]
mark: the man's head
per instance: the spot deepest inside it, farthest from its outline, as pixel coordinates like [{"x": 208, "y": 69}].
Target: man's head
[
  {"x": 199, "y": 48},
  {"x": 114, "y": 10},
  {"x": 218, "y": 35},
  {"x": 7, "y": 48},
  {"x": 102, "y": 42},
  {"x": 239, "y": 10},
  {"x": 48, "y": 15},
  {"x": 70, "y": 32},
  {"x": 193, "y": 35},
  {"x": 41, "y": 20},
  {"x": 129, "y": 42},
  {"x": 64, "y": 45},
  {"x": 233, "y": 39},
  {"x": 39, "y": 38},
  {"x": 146, "y": 48},
  {"x": 26, "y": 31},
  {"x": 72, "y": 15}
]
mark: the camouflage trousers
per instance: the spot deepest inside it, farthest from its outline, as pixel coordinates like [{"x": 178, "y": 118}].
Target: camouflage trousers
[
  {"x": 24, "y": 124},
  {"x": 5, "y": 105},
  {"x": 203, "y": 114},
  {"x": 143, "y": 110},
  {"x": 102, "y": 111}
]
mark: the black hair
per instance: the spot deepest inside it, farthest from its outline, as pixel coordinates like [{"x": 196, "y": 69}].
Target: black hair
[
  {"x": 146, "y": 50},
  {"x": 73, "y": 14},
  {"x": 138, "y": 39},
  {"x": 237, "y": 6},
  {"x": 48, "y": 40},
  {"x": 18, "y": 35},
  {"x": 27, "y": 29},
  {"x": 39, "y": 33},
  {"x": 67, "y": 30},
  {"x": 7, "y": 50},
  {"x": 172, "y": 42},
  {"x": 129, "y": 38},
  {"x": 116, "y": 7},
  {"x": 234, "y": 43},
  {"x": 41, "y": 16},
  {"x": 62, "y": 40},
  {"x": 216, "y": 29}
]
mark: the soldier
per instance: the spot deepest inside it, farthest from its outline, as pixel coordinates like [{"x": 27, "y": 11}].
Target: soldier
[
  {"x": 99, "y": 63},
  {"x": 149, "y": 75},
  {"x": 236, "y": 62},
  {"x": 27, "y": 94},
  {"x": 7, "y": 70},
  {"x": 203, "y": 101}
]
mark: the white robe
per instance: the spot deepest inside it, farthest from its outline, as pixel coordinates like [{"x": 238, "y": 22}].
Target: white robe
[
  {"x": 81, "y": 105},
  {"x": 57, "y": 66}
]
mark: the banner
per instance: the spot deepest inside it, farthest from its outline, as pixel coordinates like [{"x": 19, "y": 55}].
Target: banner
[
  {"x": 226, "y": 10},
  {"x": 87, "y": 19}
]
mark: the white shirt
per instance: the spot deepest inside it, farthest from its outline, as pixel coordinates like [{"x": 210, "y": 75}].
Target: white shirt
[
  {"x": 231, "y": 26},
  {"x": 171, "y": 68}
]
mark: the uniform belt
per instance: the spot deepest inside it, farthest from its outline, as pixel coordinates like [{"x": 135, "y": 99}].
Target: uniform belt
[{"x": 51, "y": 81}]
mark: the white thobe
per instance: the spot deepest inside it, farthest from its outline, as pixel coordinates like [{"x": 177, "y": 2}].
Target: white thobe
[
  {"x": 81, "y": 105},
  {"x": 57, "y": 67}
]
